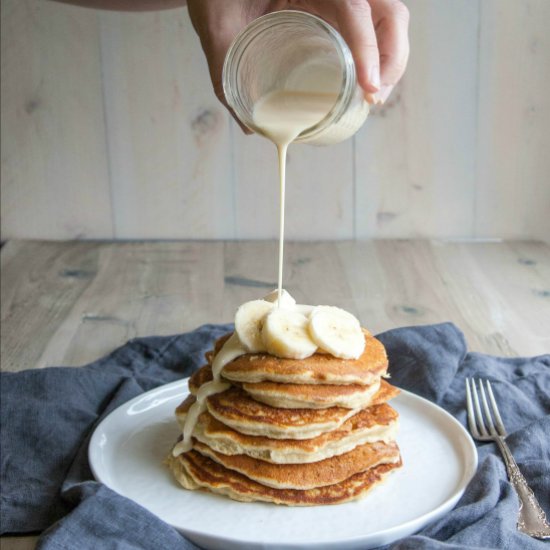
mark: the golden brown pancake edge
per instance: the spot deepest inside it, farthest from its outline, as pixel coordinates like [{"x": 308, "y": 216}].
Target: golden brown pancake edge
[
  {"x": 306, "y": 476},
  {"x": 195, "y": 471}
]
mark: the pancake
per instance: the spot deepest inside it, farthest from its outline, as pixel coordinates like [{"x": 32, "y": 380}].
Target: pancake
[
  {"x": 377, "y": 423},
  {"x": 306, "y": 476},
  {"x": 235, "y": 408},
  {"x": 319, "y": 368},
  {"x": 200, "y": 377},
  {"x": 195, "y": 471},
  {"x": 296, "y": 396},
  {"x": 209, "y": 355},
  {"x": 312, "y": 396}
]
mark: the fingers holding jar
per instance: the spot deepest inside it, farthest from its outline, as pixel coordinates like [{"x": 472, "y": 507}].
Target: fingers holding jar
[
  {"x": 376, "y": 32},
  {"x": 391, "y": 21}
]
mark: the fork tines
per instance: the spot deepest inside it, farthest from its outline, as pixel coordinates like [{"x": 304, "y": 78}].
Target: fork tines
[{"x": 486, "y": 423}]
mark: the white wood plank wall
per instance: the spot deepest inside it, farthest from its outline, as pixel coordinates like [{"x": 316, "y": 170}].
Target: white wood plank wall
[{"x": 110, "y": 129}]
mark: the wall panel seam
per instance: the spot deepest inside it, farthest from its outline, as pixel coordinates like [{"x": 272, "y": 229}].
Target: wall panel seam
[
  {"x": 475, "y": 225},
  {"x": 233, "y": 178},
  {"x": 108, "y": 155},
  {"x": 354, "y": 187}
]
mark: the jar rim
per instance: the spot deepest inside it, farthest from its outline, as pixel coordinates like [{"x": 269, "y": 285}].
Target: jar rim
[{"x": 238, "y": 46}]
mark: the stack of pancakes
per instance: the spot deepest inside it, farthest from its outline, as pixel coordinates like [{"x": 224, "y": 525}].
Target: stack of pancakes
[{"x": 296, "y": 432}]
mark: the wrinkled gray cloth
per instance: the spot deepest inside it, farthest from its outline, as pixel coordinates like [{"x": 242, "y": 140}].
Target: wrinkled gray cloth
[{"x": 48, "y": 415}]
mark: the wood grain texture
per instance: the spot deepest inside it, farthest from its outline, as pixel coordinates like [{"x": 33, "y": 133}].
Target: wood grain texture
[
  {"x": 110, "y": 129},
  {"x": 415, "y": 156},
  {"x": 55, "y": 179},
  {"x": 40, "y": 284},
  {"x": 168, "y": 136},
  {"x": 18, "y": 543},
  {"x": 90, "y": 298},
  {"x": 70, "y": 303},
  {"x": 513, "y": 192}
]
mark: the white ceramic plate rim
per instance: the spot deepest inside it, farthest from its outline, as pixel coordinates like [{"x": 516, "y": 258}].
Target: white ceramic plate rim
[{"x": 407, "y": 527}]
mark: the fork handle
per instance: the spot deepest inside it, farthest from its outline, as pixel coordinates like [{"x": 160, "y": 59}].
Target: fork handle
[{"x": 531, "y": 519}]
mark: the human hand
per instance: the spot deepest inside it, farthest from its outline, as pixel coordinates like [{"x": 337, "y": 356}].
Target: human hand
[{"x": 376, "y": 32}]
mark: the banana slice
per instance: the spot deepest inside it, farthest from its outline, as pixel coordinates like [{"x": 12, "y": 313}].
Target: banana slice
[
  {"x": 285, "y": 334},
  {"x": 287, "y": 301},
  {"x": 336, "y": 331},
  {"x": 248, "y": 324}
]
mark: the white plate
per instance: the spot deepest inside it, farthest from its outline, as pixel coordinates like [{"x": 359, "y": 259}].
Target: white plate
[{"x": 127, "y": 449}]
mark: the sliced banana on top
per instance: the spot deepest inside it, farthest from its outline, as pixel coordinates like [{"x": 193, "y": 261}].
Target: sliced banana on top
[
  {"x": 296, "y": 331},
  {"x": 285, "y": 334},
  {"x": 248, "y": 324},
  {"x": 286, "y": 301},
  {"x": 336, "y": 331}
]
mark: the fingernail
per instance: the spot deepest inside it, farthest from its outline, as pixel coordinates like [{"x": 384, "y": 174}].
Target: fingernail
[
  {"x": 371, "y": 98},
  {"x": 374, "y": 76},
  {"x": 383, "y": 94}
]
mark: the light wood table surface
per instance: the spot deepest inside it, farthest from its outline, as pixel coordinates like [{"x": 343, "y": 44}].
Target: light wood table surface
[{"x": 69, "y": 303}]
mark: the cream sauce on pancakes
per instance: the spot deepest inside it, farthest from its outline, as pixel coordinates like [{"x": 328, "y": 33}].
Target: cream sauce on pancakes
[
  {"x": 229, "y": 351},
  {"x": 377, "y": 423}
]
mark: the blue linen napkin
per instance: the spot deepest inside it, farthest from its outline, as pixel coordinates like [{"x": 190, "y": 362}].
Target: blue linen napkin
[{"x": 48, "y": 415}]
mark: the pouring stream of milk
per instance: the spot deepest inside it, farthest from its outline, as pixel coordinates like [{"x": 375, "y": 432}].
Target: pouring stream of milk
[{"x": 282, "y": 116}]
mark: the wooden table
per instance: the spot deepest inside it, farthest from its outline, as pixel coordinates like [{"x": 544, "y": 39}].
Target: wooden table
[{"x": 68, "y": 303}]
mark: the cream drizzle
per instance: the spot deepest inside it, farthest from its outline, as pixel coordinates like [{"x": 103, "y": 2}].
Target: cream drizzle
[
  {"x": 281, "y": 116},
  {"x": 229, "y": 351},
  {"x": 232, "y": 349}
]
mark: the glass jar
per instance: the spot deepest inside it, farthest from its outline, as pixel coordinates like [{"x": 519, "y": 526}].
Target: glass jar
[{"x": 293, "y": 50}]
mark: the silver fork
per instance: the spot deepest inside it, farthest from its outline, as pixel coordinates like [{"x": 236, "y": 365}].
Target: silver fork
[{"x": 531, "y": 519}]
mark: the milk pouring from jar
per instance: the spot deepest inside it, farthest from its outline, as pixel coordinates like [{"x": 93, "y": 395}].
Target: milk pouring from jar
[
  {"x": 293, "y": 63},
  {"x": 290, "y": 77}
]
